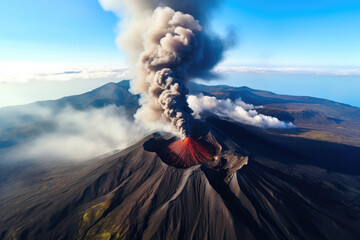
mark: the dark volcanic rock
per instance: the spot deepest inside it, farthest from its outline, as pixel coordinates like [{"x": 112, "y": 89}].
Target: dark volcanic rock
[{"x": 259, "y": 187}]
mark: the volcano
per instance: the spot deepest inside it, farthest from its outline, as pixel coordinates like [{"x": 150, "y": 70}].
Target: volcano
[{"x": 245, "y": 184}]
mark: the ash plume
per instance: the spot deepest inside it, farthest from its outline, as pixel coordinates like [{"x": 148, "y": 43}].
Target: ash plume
[{"x": 170, "y": 43}]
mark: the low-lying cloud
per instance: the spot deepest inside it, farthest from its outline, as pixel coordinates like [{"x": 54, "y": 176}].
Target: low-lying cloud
[
  {"x": 238, "y": 111},
  {"x": 69, "y": 134},
  {"x": 30, "y": 72},
  {"x": 288, "y": 70},
  {"x": 47, "y": 72},
  {"x": 80, "y": 135}
]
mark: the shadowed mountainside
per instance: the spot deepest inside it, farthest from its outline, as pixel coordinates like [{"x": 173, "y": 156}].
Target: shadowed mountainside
[{"x": 263, "y": 187}]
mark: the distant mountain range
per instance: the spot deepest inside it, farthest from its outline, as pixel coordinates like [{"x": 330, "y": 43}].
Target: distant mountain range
[{"x": 315, "y": 118}]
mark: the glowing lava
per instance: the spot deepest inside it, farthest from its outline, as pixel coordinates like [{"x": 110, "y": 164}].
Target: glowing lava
[{"x": 188, "y": 152}]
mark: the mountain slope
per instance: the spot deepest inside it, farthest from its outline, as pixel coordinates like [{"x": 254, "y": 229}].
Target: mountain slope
[
  {"x": 111, "y": 93},
  {"x": 21, "y": 123},
  {"x": 264, "y": 187}
]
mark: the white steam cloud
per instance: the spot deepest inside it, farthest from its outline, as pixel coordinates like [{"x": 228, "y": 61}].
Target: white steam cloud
[
  {"x": 238, "y": 111},
  {"x": 79, "y": 135}
]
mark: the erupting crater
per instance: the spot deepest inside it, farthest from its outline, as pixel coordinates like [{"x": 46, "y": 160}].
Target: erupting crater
[
  {"x": 199, "y": 148},
  {"x": 188, "y": 152}
]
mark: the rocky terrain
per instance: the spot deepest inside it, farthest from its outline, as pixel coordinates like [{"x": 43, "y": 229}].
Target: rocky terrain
[{"x": 260, "y": 186}]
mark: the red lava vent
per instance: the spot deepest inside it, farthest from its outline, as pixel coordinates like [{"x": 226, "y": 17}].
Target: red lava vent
[{"x": 188, "y": 152}]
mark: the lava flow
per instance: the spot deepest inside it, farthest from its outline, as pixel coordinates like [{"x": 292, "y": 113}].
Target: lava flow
[{"x": 188, "y": 152}]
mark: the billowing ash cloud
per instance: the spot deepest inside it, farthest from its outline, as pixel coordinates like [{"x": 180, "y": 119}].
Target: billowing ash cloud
[
  {"x": 237, "y": 111},
  {"x": 171, "y": 44}
]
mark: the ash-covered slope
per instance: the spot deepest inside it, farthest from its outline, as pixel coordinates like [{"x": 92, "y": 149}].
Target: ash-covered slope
[{"x": 263, "y": 187}]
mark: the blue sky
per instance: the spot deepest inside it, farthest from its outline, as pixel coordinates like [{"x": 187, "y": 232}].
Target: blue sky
[
  {"x": 279, "y": 33},
  {"x": 276, "y": 33},
  {"x": 57, "y": 31},
  {"x": 295, "y": 33}
]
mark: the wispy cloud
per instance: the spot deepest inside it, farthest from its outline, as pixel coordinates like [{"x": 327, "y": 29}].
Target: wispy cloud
[
  {"x": 24, "y": 72},
  {"x": 18, "y": 72},
  {"x": 238, "y": 111},
  {"x": 289, "y": 70},
  {"x": 79, "y": 135}
]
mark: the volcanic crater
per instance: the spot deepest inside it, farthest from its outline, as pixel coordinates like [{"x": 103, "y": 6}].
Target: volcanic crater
[{"x": 199, "y": 148}]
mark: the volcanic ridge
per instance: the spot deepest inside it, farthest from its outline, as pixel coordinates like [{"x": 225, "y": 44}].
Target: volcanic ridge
[{"x": 250, "y": 184}]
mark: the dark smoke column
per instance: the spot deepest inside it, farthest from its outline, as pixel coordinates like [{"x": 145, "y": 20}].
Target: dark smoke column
[{"x": 170, "y": 47}]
